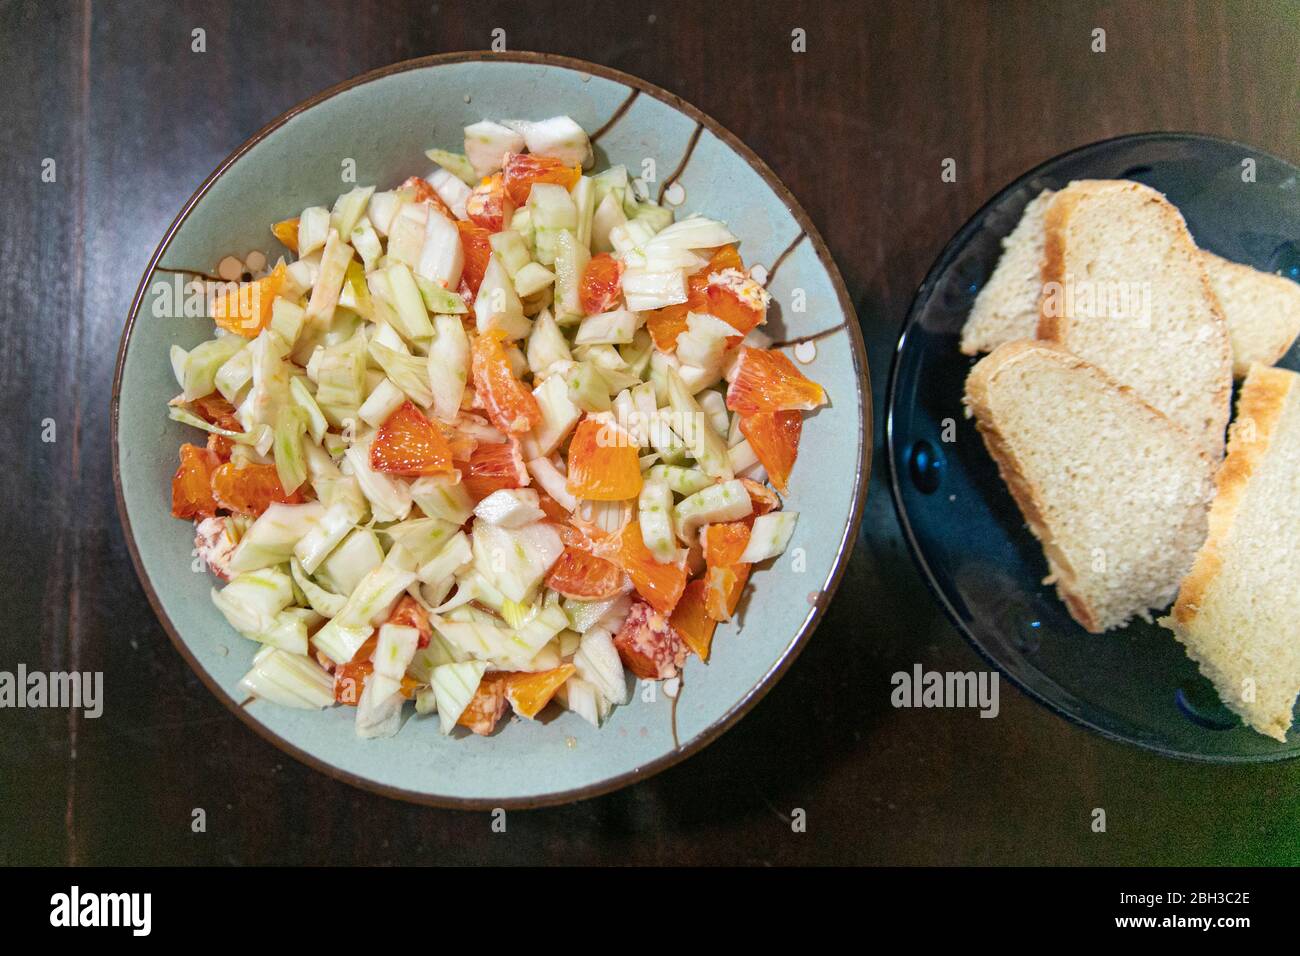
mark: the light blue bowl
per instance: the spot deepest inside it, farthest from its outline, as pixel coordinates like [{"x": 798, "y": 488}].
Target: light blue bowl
[{"x": 383, "y": 122}]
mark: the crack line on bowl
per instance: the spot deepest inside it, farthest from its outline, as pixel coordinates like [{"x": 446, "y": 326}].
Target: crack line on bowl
[
  {"x": 686, "y": 158},
  {"x": 783, "y": 256},
  {"x": 810, "y": 337},
  {"x": 189, "y": 272},
  {"x": 618, "y": 115}
]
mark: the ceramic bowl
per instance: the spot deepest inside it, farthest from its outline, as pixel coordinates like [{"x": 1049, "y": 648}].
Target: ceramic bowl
[
  {"x": 380, "y": 125},
  {"x": 970, "y": 541}
]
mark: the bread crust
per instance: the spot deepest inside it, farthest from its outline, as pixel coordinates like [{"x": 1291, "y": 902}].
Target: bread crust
[
  {"x": 1263, "y": 400},
  {"x": 1056, "y": 328},
  {"x": 1027, "y": 495}
]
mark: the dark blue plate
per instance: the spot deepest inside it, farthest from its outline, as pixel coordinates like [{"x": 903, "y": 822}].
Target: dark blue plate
[{"x": 965, "y": 532}]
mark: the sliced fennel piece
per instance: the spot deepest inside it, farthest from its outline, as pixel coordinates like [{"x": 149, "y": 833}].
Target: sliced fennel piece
[
  {"x": 333, "y": 269},
  {"x": 511, "y": 249},
  {"x": 390, "y": 498},
  {"x": 547, "y": 346},
  {"x": 408, "y": 304},
  {"x": 436, "y": 653},
  {"x": 655, "y": 513},
  {"x": 497, "y": 305},
  {"x": 258, "y": 437},
  {"x": 584, "y": 615},
  {"x": 571, "y": 258},
  {"x": 643, "y": 290},
  {"x": 358, "y": 554},
  {"x": 290, "y": 680},
  {"x": 334, "y": 525},
  {"x": 693, "y": 232},
  {"x": 454, "y": 686},
  {"x": 559, "y": 137},
  {"x": 582, "y": 697},
  {"x": 704, "y": 341},
  {"x": 421, "y": 538},
  {"x": 454, "y": 557},
  {"x": 438, "y": 300},
  {"x": 341, "y": 379},
  {"x": 584, "y": 199},
  {"x": 742, "y": 457},
  {"x": 448, "y": 366},
  {"x": 559, "y": 416},
  {"x": 365, "y": 240},
  {"x": 607, "y": 216},
  {"x": 379, "y": 709},
  {"x": 587, "y": 387},
  {"x": 486, "y": 144},
  {"x": 551, "y": 212},
  {"x": 550, "y": 480},
  {"x": 532, "y": 278},
  {"x": 197, "y": 369},
  {"x": 383, "y": 400},
  {"x": 313, "y": 230},
  {"x": 271, "y": 538},
  {"x": 406, "y": 234},
  {"x": 326, "y": 603},
  {"x": 251, "y": 601},
  {"x": 510, "y": 508},
  {"x": 609, "y": 328},
  {"x": 707, "y": 447},
  {"x": 270, "y": 389},
  {"x": 234, "y": 374},
  {"x": 394, "y": 650},
  {"x": 441, "y": 496},
  {"x": 725, "y": 501},
  {"x": 515, "y": 560},
  {"x": 365, "y": 608},
  {"x": 349, "y": 208},
  {"x": 408, "y": 372},
  {"x": 714, "y": 405},
  {"x": 442, "y": 256},
  {"x": 451, "y": 189},
  {"x": 290, "y": 467},
  {"x": 598, "y": 662},
  {"x": 457, "y": 164},
  {"x": 769, "y": 536}
]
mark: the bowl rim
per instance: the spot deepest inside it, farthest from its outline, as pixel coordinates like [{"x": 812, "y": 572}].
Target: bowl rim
[
  {"x": 923, "y": 293},
  {"x": 844, "y": 548}
]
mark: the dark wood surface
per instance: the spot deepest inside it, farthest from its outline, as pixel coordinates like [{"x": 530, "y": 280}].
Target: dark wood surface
[{"x": 857, "y": 127}]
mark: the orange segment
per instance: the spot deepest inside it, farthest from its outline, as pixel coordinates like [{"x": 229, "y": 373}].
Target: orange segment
[
  {"x": 426, "y": 193},
  {"x": 648, "y": 645},
  {"x": 667, "y": 323},
  {"x": 724, "y": 543},
  {"x": 774, "y": 436},
  {"x": 722, "y": 589},
  {"x": 474, "y": 240},
  {"x": 487, "y": 706},
  {"x": 409, "y": 444},
  {"x": 767, "y": 381},
  {"x": 250, "y": 489},
  {"x": 246, "y": 309},
  {"x": 691, "y": 620},
  {"x": 286, "y": 230},
  {"x": 492, "y": 467},
  {"x": 581, "y": 575},
  {"x": 409, "y": 613},
  {"x": 599, "y": 289},
  {"x": 762, "y": 498},
  {"x": 661, "y": 585},
  {"x": 508, "y": 402},
  {"x": 736, "y": 299},
  {"x": 487, "y": 205},
  {"x": 192, "y": 483},
  {"x": 603, "y": 463},
  {"x": 523, "y": 169},
  {"x": 529, "y": 693}
]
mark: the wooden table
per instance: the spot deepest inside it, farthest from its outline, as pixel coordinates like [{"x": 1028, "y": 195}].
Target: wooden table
[{"x": 857, "y": 126}]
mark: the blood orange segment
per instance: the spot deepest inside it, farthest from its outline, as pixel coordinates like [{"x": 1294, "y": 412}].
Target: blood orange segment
[
  {"x": 246, "y": 309},
  {"x": 774, "y": 436},
  {"x": 722, "y": 589},
  {"x": 529, "y": 693},
  {"x": 599, "y": 289},
  {"x": 476, "y": 244},
  {"x": 249, "y": 489},
  {"x": 762, "y": 498},
  {"x": 691, "y": 621},
  {"x": 508, "y": 402},
  {"x": 523, "y": 169},
  {"x": 409, "y": 613},
  {"x": 603, "y": 463},
  {"x": 487, "y": 706},
  {"x": 767, "y": 381},
  {"x": 350, "y": 681},
  {"x": 286, "y": 230},
  {"x": 192, "y": 483},
  {"x": 736, "y": 299},
  {"x": 669, "y": 322},
  {"x": 648, "y": 644},
  {"x": 215, "y": 410},
  {"x": 661, "y": 585},
  {"x": 426, "y": 193},
  {"x": 724, "y": 543},
  {"x": 408, "y": 444},
  {"x": 580, "y": 575},
  {"x": 492, "y": 467},
  {"x": 487, "y": 205}
]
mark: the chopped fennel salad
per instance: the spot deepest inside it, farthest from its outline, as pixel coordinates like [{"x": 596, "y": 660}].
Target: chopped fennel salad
[{"x": 494, "y": 437}]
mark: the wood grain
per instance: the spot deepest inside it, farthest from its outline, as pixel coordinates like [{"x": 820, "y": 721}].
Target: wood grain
[{"x": 857, "y": 126}]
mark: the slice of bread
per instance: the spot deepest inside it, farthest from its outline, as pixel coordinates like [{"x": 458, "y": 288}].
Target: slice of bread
[
  {"x": 1262, "y": 311},
  {"x": 1235, "y": 612},
  {"x": 1007, "y": 307},
  {"x": 1116, "y": 495},
  {"x": 1124, "y": 289}
]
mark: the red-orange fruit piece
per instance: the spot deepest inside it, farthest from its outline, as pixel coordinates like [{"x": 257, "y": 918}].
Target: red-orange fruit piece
[
  {"x": 660, "y": 585},
  {"x": 246, "y": 308},
  {"x": 580, "y": 575},
  {"x": 604, "y": 464},
  {"x": 724, "y": 542},
  {"x": 669, "y": 322},
  {"x": 691, "y": 621},
  {"x": 509, "y": 404},
  {"x": 599, "y": 289},
  {"x": 494, "y": 466},
  {"x": 774, "y": 436},
  {"x": 723, "y": 587},
  {"x": 767, "y": 381},
  {"x": 408, "y": 613},
  {"x": 408, "y": 444},
  {"x": 426, "y": 193},
  {"x": 523, "y": 169},
  {"x": 737, "y": 300},
  {"x": 529, "y": 693},
  {"x": 648, "y": 645},
  {"x": 476, "y": 244},
  {"x": 487, "y": 205},
  {"x": 487, "y": 706},
  {"x": 192, "y": 483},
  {"x": 249, "y": 489},
  {"x": 762, "y": 498}
]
